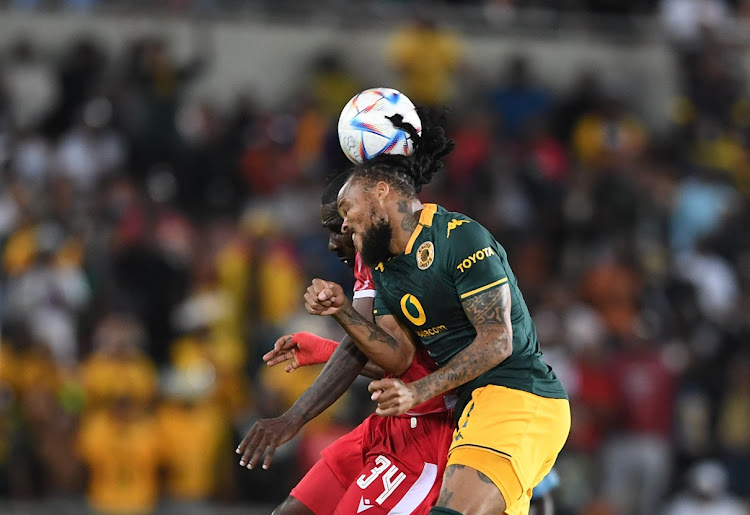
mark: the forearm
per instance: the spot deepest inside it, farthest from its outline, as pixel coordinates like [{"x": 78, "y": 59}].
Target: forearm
[
  {"x": 372, "y": 371},
  {"x": 481, "y": 355},
  {"x": 337, "y": 376},
  {"x": 382, "y": 348}
]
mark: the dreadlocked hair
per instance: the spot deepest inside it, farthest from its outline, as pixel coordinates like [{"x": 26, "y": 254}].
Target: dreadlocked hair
[
  {"x": 333, "y": 183},
  {"x": 410, "y": 173}
]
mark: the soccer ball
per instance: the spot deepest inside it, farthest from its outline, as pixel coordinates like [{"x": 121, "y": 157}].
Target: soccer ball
[{"x": 365, "y": 130}]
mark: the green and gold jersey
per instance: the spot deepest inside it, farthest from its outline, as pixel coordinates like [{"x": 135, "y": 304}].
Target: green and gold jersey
[{"x": 451, "y": 258}]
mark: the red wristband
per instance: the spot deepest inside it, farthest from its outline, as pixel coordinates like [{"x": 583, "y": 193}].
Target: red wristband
[{"x": 312, "y": 349}]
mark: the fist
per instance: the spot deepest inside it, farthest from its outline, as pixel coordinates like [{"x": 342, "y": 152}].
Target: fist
[
  {"x": 324, "y": 298},
  {"x": 394, "y": 397}
]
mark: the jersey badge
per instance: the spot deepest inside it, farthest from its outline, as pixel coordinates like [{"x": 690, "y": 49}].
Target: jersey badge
[
  {"x": 425, "y": 255},
  {"x": 453, "y": 224}
]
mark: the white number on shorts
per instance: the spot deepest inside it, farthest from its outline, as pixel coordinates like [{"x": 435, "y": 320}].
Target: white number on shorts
[{"x": 390, "y": 483}]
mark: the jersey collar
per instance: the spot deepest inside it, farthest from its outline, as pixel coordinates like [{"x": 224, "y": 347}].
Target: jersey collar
[{"x": 425, "y": 220}]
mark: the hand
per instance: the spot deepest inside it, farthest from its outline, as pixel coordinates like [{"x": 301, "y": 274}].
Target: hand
[
  {"x": 324, "y": 298},
  {"x": 302, "y": 349},
  {"x": 394, "y": 397},
  {"x": 263, "y": 438},
  {"x": 285, "y": 349}
]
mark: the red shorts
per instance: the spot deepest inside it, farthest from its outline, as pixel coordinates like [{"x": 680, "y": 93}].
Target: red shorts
[{"x": 383, "y": 466}]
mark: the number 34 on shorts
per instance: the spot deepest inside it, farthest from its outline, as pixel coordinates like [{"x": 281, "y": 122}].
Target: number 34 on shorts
[{"x": 386, "y": 487}]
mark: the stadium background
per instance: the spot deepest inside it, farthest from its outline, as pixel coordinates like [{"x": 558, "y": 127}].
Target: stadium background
[{"x": 160, "y": 170}]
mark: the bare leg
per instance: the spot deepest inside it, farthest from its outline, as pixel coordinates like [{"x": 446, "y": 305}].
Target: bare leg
[
  {"x": 292, "y": 506},
  {"x": 468, "y": 491}
]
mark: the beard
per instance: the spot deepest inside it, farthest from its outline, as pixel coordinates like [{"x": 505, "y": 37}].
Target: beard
[{"x": 376, "y": 242}]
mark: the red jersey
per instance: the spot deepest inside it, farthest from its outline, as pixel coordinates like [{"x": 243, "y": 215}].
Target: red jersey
[
  {"x": 363, "y": 283},
  {"x": 422, "y": 365}
]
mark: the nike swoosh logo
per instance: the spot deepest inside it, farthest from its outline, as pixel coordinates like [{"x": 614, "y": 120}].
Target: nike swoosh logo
[{"x": 363, "y": 506}]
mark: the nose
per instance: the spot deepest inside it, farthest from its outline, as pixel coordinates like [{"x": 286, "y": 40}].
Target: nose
[
  {"x": 332, "y": 243},
  {"x": 345, "y": 225}
]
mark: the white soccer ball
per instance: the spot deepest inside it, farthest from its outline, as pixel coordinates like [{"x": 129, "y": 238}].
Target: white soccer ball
[{"x": 365, "y": 130}]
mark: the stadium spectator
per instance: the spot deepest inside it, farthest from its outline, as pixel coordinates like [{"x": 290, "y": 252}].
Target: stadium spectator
[
  {"x": 427, "y": 58},
  {"x": 518, "y": 100},
  {"x": 706, "y": 493}
]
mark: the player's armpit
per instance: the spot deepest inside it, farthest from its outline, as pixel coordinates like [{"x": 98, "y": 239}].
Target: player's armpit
[
  {"x": 387, "y": 344},
  {"x": 489, "y": 313}
]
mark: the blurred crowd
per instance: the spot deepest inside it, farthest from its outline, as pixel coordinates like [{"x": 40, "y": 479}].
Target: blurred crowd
[{"x": 153, "y": 247}]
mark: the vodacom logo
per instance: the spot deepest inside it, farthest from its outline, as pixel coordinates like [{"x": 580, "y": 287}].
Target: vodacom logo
[{"x": 409, "y": 304}]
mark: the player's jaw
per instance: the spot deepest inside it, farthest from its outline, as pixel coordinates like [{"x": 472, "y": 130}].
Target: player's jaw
[
  {"x": 374, "y": 242},
  {"x": 339, "y": 242}
]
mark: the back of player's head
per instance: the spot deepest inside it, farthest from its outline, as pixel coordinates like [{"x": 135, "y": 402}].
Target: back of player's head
[
  {"x": 334, "y": 182},
  {"x": 410, "y": 173}
]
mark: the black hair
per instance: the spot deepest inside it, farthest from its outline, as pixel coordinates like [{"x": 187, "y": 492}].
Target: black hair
[
  {"x": 334, "y": 182},
  {"x": 410, "y": 173}
]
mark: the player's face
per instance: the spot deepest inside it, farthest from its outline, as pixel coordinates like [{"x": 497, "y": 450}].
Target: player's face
[
  {"x": 366, "y": 219},
  {"x": 339, "y": 242}
]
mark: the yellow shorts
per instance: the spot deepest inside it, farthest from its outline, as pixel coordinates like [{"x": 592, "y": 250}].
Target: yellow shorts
[{"x": 513, "y": 437}]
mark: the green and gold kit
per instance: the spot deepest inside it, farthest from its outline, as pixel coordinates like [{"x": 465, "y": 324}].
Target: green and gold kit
[{"x": 449, "y": 259}]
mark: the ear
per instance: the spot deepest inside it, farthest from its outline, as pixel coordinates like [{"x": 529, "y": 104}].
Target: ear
[{"x": 382, "y": 189}]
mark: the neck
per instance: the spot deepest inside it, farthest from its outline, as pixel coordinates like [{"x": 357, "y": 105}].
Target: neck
[{"x": 405, "y": 221}]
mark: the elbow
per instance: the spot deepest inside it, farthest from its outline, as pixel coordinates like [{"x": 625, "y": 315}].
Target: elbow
[
  {"x": 504, "y": 346},
  {"x": 402, "y": 361},
  {"x": 507, "y": 347}
]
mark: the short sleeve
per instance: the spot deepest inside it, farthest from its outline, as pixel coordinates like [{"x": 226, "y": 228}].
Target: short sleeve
[
  {"x": 380, "y": 307},
  {"x": 474, "y": 258},
  {"x": 364, "y": 286}
]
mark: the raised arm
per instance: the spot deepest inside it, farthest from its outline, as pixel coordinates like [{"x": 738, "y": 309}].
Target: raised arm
[
  {"x": 334, "y": 380},
  {"x": 386, "y": 343},
  {"x": 489, "y": 313}
]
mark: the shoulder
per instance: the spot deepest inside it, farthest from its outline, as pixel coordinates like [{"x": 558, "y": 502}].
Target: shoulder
[{"x": 455, "y": 227}]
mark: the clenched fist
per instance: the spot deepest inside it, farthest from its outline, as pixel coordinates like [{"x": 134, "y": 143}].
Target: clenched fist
[
  {"x": 394, "y": 397},
  {"x": 324, "y": 298}
]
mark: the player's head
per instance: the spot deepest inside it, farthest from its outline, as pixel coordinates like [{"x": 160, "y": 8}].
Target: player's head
[
  {"x": 338, "y": 241},
  {"x": 388, "y": 184}
]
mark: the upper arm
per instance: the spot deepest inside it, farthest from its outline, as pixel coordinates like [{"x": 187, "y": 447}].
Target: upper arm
[
  {"x": 481, "y": 279},
  {"x": 489, "y": 313},
  {"x": 404, "y": 340},
  {"x": 364, "y": 306},
  {"x": 474, "y": 258}
]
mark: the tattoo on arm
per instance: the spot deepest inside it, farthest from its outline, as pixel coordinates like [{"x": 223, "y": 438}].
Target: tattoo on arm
[
  {"x": 489, "y": 313},
  {"x": 350, "y": 320}
]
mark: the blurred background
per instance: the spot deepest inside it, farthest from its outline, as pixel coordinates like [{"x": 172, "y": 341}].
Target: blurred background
[{"x": 160, "y": 172}]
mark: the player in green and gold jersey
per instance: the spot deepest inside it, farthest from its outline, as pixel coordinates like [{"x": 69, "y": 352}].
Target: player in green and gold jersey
[{"x": 442, "y": 277}]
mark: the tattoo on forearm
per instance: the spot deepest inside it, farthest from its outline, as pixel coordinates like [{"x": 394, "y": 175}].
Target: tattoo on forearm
[
  {"x": 489, "y": 313},
  {"x": 350, "y": 319}
]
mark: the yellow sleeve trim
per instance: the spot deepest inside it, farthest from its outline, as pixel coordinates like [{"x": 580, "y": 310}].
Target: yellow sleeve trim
[
  {"x": 374, "y": 311},
  {"x": 425, "y": 220},
  {"x": 428, "y": 212},
  {"x": 485, "y": 287}
]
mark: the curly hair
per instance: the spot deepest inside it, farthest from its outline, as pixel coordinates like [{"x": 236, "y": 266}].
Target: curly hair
[
  {"x": 410, "y": 173},
  {"x": 333, "y": 183}
]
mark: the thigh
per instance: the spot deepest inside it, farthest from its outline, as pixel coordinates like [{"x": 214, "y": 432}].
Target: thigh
[
  {"x": 390, "y": 484},
  {"x": 317, "y": 493},
  {"x": 468, "y": 490},
  {"x": 293, "y": 506},
  {"x": 404, "y": 467},
  {"x": 513, "y": 438}
]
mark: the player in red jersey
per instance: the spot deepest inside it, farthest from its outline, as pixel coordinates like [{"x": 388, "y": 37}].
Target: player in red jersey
[{"x": 386, "y": 464}]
